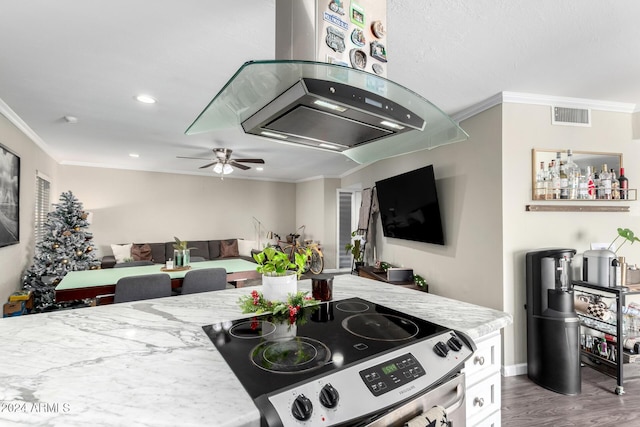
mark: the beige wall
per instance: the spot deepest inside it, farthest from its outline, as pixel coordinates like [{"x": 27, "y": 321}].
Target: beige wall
[
  {"x": 132, "y": 206},
  {"x": 316, "y": 209},
  {"x": 468, "y": 175},
  {"x": 527, "y": 127},
  {"x": 15, "y": 259}
]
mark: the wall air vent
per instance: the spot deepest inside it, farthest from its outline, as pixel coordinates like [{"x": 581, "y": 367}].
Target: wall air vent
[{"x": 570, "y": 116}]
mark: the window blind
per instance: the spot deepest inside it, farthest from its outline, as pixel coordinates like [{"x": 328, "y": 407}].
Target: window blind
[{"x": 43, "y": 190}]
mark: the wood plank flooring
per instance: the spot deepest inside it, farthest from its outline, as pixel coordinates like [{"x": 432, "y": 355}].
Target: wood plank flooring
[{"x": 524, "y": 403}]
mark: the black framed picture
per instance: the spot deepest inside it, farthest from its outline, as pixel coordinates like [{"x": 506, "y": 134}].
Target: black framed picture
[{"x": 9, "y": 197}]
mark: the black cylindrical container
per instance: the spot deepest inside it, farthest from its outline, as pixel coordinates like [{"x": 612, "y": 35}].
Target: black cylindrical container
[
  {"x": 322, "y": 287},
  {"x": 553, "y": 327}
]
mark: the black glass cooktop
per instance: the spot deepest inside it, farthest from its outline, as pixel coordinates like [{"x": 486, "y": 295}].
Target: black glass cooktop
[{"x": 268, "y": 354}]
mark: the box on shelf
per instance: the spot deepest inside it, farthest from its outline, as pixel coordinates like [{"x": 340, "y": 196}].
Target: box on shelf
[
  {"x": 20, "y": 296},
  {"x": 633, "y": 277},
  {"x": 26, "y": 296},
  {"x": 14, "y": 308}
]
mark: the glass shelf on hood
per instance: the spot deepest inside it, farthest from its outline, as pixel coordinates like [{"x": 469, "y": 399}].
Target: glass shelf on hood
[{"x": 257, "y": 83}]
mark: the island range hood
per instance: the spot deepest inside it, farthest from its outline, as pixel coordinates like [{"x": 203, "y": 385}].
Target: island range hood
[{"x": 328, "y": 105}]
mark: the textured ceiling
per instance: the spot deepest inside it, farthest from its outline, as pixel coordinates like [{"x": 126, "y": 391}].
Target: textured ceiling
[{"x": 88, "y": 59}]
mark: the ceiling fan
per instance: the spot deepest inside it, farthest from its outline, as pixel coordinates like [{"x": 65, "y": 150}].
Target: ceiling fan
[{"x": 223, "y": 164}]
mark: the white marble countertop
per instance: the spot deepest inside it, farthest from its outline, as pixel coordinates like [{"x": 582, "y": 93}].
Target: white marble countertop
[{"x": 149, "y": 363}]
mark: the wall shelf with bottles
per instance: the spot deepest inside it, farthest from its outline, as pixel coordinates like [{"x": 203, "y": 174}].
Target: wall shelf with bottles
[
  {"x": 579, "y": 176},
  {"x": 575, "y": 208}
]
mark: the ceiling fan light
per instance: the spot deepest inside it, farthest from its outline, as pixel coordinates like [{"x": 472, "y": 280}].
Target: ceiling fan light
[
  {"x": 217, "y": 168},
  {"x": 227, "y": 169}
]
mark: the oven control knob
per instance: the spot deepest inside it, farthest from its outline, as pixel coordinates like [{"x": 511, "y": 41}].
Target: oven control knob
[
  {"x": 441, "y": 349},
  {"x": 454, "y": 343},
  {"x": 302, "y": 408},
  {"x": 329, "y": 396}
]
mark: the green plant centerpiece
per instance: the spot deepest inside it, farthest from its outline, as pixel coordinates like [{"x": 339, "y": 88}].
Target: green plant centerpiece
[
  {"x": 355, "y": 247},
  {"x": 272, "y": 262},
  {"x": 181, "y": 253},
  {"x": 279, "y": 273}
]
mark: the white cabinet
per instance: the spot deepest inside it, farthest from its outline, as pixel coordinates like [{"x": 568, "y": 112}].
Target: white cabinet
[{"x": 483, "y": 378}]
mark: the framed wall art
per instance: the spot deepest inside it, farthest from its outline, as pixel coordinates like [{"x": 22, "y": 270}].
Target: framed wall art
[{"x": 9, "y": 197}]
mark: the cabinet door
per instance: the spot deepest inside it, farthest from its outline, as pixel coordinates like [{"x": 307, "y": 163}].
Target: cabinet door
[
  {"x": 483, "y": 386},
  {"x": 483, "y": 400},
  {"x": 485, "y": 361}
]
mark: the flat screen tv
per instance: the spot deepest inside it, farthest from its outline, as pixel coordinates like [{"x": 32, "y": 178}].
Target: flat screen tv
[{"x": 409, "y": 207}]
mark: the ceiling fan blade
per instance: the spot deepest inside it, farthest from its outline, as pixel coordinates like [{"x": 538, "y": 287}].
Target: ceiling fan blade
[
  {"x": 250, "y": 160},
  {"x": 238, "y": 165},
  {"x": 194, "y": 158},
  {"x": 207, "y": 165}
]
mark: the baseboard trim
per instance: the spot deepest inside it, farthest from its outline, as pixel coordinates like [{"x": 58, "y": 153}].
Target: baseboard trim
[{"x": 514, "y": 370}]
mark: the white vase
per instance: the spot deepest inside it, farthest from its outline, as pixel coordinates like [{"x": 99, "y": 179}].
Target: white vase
[
  {"x": 278, "y": 288},
  {"x": 284, "y": 331}
]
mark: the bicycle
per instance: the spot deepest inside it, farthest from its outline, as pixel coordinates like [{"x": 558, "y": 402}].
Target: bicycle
[{"x": 315, "y": 259}]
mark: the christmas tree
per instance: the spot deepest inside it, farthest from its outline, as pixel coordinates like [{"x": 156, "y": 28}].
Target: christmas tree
[{"x": 66, "y": 246}]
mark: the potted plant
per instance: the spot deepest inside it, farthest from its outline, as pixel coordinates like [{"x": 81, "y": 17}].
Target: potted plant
[
  {"x": 279, "y": 274},
  {"x": 355, "y": 248},
  {"x": 420, "y": 282},
  {"x": 627, "y": 235},
  {"x": 181, "y": 253}
]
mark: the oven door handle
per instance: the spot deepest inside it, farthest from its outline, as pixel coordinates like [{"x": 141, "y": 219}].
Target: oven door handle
[{"x": 456, "y": 402}]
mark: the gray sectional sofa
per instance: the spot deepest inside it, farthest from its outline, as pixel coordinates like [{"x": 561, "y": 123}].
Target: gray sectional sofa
[{"x": 202, "y": 249}]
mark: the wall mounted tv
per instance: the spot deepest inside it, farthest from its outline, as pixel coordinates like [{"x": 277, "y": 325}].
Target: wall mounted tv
[{"x": 409, "y": 207}]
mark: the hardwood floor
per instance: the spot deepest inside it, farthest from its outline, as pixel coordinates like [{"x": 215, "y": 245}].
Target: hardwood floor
[{"x": 524, "y": 403}]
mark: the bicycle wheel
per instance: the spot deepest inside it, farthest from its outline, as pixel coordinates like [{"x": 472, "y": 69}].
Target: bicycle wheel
[{"x": 316, "y": 263}]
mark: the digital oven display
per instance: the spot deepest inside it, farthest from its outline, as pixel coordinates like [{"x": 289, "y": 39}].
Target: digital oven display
[
  {"x": 389, "y": 369},
  {"x": 392, "y": 374}
]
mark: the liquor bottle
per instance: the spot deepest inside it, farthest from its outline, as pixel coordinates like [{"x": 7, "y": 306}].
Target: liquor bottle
[
  {"x": 624, "y": 184},
  {"x": 572, "y": 170},
  {"x": 591, "y": 185},
  {"x": 596, "y": 183},
  {"x": 615, "y": 185},
  {"x": 541, "y": 183},
  {"x": 555, "y": 177},
  {"x": 564, "y": 182},
  {"x": 583, "y": 185},
  {"x": 605, "y": 183}
]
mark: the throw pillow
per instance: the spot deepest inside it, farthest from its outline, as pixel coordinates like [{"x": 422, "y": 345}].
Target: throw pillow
[
  {"x": 141, "y": 252},
  {"x": 228, "y": 249},
  {"x": 245, "y": 246},
  {"x": 121, "y": 252}
]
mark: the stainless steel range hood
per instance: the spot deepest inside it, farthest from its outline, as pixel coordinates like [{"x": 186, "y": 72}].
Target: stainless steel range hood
[
  {"x": 270, "y": 99},
  {"x": 328, "y": 106}
]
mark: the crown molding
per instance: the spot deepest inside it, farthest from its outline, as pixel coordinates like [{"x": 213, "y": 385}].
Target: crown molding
[
  {"x": 11, "y": 115},
  {"x": 536, "y": 99}
]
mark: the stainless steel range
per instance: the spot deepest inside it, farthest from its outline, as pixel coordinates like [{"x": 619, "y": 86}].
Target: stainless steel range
[{"x": 348, "y": 362}]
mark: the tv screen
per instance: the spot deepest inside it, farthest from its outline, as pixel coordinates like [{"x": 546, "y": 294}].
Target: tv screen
[{"x": 409, "y": 206}]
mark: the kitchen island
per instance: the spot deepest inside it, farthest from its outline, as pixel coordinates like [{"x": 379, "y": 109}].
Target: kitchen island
[{"x": 149, "y": 363}]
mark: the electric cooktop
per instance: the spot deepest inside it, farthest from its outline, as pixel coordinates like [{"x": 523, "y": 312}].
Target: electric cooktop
[{"x": 355, "y": 343}]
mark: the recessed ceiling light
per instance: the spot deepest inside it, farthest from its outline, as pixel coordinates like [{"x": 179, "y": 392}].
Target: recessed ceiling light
[
  {"x": 134, "y": 155},
  {"x": 259, "y": 168},
  {"x": 71, "y": 119},
  {"x": 146, "y": 99}
]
